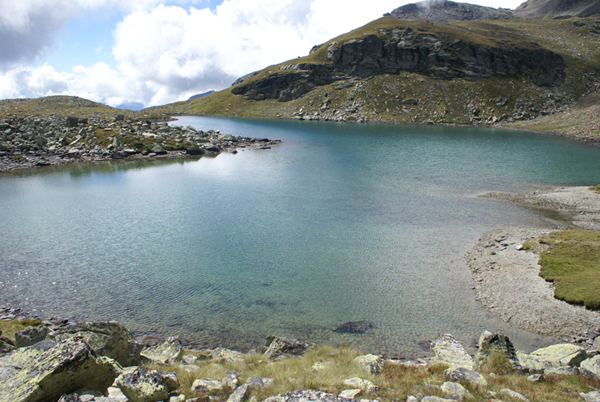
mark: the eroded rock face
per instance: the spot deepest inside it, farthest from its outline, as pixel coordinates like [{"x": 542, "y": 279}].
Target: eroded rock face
[{"x": 48, "y": 370}]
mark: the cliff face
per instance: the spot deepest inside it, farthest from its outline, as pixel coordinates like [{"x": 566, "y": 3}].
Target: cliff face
[{"x": 406, "y": 50}]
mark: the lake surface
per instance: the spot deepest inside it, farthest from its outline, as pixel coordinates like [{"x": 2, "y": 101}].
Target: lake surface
[{"x": 341, "y": 222}]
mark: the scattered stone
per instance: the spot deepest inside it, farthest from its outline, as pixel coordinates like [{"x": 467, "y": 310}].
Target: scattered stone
[
  {"x": 448, "y": 351},
  {"x": 255, "y": 383},
  {"x": 240, "y": 394},
  {"x": 435, "y": 399},
  {"x": 463, "y": 374},
  {"x": 168, "y": 352},
  {"x": 207, "y": 385},
  {"x": 354, "y": 327},
  {"x": 189, "y": 359},
  {"x": 536, "y": 378},
  {"x": 364, "y": 385},
  {"x": 310, "y": 396},
  {"x": 513, "y": 394},
  {"x": 227, "y": 356},
  {"x": 231, "y": 379},
  {"x": 372, "y": 364},
  {"x": 349, "y": 393},
  {"x": 455, "y": 391},
  {"x": 321, "y": 366},
  {"x": 139, "y": 384},
  {"x": 277, "y": 346}
]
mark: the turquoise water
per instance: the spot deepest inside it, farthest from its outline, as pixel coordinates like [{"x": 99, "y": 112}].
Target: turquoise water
[{"x": 341, "y": 222}]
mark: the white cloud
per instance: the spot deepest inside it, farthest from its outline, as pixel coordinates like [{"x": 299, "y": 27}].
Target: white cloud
[{"x": 166, "y": 53}]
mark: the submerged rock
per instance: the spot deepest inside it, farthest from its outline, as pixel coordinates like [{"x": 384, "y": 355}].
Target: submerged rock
[
  {"x": 354, "y": 327},
  {"x": 48, "y": 370}
]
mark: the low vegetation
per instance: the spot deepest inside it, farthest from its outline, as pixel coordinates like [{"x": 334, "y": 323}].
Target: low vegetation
[
  {"x": 571, "y": 260},
  {"x": 9, "y": 327},
  {"x": 395, "y": 383}
]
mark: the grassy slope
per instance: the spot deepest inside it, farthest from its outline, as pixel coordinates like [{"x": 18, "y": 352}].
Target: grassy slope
[{"x": 440, "y": 101}]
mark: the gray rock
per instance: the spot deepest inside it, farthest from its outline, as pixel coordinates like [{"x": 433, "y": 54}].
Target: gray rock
[
  {"x": 455, "y": 391},
  {"x": 310, "y": 396},
  {"x": 240, "y": 394},
  {"x": 31, "y": 335},
  {"x": 231, "y": 379},
  {"x": 591, "y": 366},
  {"x": 48, "y": 370},
  {"x": 364, "y": 385},
  {"x": 591, "y": 396},
  {"x": 208, "y": 385},
  {"x": 495, "y": 343},
  {"x": 536, "y": 378},
  {"x": 463, "y": 374},
  {"x": 227, "y": 356},
  {"x": 255, "y": 382},
  {"x": 448, "y": 351},
  {"x": 372, "y": 364},
  {"x": 157, "y": 149},
  {"x": 513, "y": 394},
  {"x": 555, "y": 356},
  {"x": 349, "y": 393},
  {"x": 277, "y": 346},
  {"x": 168, "y": 352},
  {"x": 142, "y": 385}
]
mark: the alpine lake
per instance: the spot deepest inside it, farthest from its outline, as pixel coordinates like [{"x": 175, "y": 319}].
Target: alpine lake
[{"x": 340, "y": 222}]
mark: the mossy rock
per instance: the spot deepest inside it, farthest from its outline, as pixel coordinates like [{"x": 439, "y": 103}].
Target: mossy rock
[{"x": 555, "y": 356}]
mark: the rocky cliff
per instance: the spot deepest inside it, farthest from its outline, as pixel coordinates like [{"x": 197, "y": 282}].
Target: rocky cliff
[{"x": 449, "y": 11}]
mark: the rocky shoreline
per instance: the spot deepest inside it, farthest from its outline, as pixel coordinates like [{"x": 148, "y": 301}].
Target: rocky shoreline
[
  {"x": 506, "y": 275},
  {"x": 35, "y": 141}
]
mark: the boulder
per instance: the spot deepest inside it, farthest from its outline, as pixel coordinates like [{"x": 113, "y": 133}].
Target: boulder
[
  {"x": 168, "y": 352},
  {"x": 349, "y": 393},
  {"x": 372, "y": 364},
  {"x": 109, "y": 339},
  {"x": 227, "y": 356},
  {"x": 490, "y": 343},
  {"x": 591, "y": 396},
  {"x": 142, "y": 385},
  {"x": 47, "y": 370},
  {"x": 239, "y": 395},
  {"x": 513, "y": 394},
  {"x": 157, "y": 149},
  {"x": 208, "y": 385},
  {"x": 255, "y": 382},
  {"x": 462, "y": 374},
  {"x": 448, "y": 351},
  {"x": 231, "y": 379},
  {"x": 455, "y": 391},
  {"x": 591, "y": 366},
  {"x": 31, "y": 335},
  {"x": 555, "y": 356},
  {"x": 277, "y": 346},
  {"x": 364, "y": 385}
]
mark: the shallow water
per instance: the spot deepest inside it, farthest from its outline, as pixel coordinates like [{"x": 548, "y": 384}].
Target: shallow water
[{"x": 341, "y": 222}]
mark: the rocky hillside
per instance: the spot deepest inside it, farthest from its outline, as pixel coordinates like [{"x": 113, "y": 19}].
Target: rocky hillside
[
  {"x": 399, "y": 70},
  {"x": 449, "y": 11},
  {"x": 558, "y": 8}
]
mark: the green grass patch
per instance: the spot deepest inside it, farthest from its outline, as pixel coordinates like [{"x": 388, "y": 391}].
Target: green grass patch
[
  {"x": 572, "y": 262},
  {"x": 596, "y": 188},
  {"x": 9, "y": 327}
]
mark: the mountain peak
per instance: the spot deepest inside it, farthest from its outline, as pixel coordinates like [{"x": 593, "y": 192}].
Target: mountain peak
[{"x": 450, "y": 11}]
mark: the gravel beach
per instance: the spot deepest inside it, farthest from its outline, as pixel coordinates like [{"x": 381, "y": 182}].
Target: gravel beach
[{"x": 507, "y": 279}]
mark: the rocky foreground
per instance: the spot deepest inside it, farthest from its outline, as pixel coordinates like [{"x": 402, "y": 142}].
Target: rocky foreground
[
  {"x": 42, "y": 141},
  {"x": 103, "y": 361}
]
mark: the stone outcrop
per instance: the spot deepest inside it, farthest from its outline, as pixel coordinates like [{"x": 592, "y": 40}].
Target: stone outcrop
[
  {"x": 404, "y": 49},
  {"x": 48, "y": 370}
]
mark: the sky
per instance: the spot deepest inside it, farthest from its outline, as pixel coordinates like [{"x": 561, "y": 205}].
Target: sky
[{"x": 151, "y": 52}]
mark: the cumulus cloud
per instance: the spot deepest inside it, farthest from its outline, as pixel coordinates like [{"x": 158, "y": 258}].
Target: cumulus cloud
[{"x": 166, "y": 53}]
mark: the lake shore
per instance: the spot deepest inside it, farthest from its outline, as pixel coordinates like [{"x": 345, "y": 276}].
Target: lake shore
[{"x": 506, "y": 276}]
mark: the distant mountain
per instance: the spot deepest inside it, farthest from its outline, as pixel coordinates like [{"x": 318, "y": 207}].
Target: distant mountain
[
  {"x": 135, "y": 106},
  {"x": 558, "y": 8},
  {"x": 202, "y": 95},
  {"x": 449, "y": 11}
]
